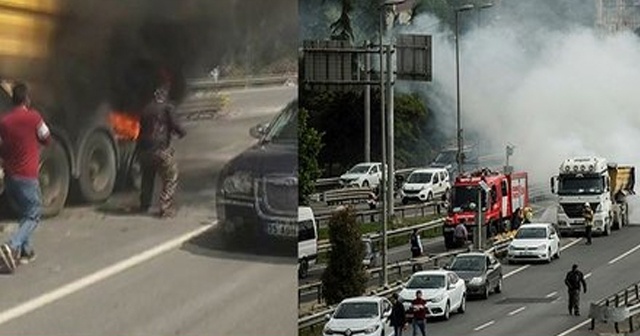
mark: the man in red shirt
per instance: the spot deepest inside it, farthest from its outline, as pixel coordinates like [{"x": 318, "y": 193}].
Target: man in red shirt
[
  {"x": 22, "y": 131},
  {"x": 419, "y": 309}
]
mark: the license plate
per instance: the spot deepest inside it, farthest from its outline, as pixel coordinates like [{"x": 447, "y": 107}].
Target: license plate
[{"x": 282, "y": 229}]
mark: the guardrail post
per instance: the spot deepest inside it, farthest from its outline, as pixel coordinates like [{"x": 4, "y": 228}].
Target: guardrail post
[
  {"x": 617, "y": 301},
  {"x": 626, "y": 297},
  {"x": 319, "y": 291},
  {"x": 593, "y": 324},
  {"x": 637, "y": 292},
  {"x": 617, "y": 328},
  {"x": 631, "y": 323}
]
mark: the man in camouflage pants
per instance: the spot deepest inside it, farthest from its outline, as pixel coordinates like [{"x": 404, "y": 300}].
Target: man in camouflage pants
[{"x": 158, "y": 124}]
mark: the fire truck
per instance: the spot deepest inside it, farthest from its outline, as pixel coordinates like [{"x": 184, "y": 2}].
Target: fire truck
[{"x": 507, "y": 193}]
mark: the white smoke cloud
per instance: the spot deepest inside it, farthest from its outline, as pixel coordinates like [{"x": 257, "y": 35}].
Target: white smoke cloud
[{"x": 553, "y": 94}]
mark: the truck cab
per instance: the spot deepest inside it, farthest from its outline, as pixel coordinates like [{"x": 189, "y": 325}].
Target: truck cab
[{"x": 602, "y": 185}]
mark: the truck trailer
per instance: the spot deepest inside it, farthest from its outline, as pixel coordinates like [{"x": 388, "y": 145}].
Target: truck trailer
[{"x": 603, "y": 185}]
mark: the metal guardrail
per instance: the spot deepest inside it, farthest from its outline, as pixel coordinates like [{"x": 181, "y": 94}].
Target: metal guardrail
[
  {"x": 325, "y": 245},
  {"x": 619, "y": 307},
  {"x": 207, "y": 83},
  {"x": 403, "y": 211}
]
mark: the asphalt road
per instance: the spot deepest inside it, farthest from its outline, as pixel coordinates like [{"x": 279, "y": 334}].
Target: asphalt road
[
  {"x": 104, "y": 271},
  {"x": 534, "y": 299}
]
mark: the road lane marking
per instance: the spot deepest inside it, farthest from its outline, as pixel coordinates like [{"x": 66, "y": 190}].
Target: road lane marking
[
  {"x": 98, "y": 276},
  {"x": 576, "y": 327},
  {"x": 517, "y": 270},
  {"x": 552, "y": 294},
  {"x": 517, "y": 311},
  {"x": 570, "y": 244},
  {"x": 478, "y": 328},
  {"x": 615, "y": 260},
  {"x": 587, "y": 275}
]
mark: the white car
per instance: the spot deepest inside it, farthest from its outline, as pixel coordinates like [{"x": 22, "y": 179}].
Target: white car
[
  {"x": 307, "y": 240},
  {"x": 535, "y": 241},
  {"x": 443, "y": 290},
  {"x": 425, "y": 185},
  {"x": 367, "y": 315},
  {"x": 364, "y": 175}
]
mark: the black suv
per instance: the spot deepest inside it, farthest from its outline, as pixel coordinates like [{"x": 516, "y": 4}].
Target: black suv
[{"x": 257, "y": 191}]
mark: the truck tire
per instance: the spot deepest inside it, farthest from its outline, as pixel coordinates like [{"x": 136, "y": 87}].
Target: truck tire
[
  {"x": 54, "y": 178},
  {"x": 134, "y": 175},
  {"x": 97, "y": 168}
]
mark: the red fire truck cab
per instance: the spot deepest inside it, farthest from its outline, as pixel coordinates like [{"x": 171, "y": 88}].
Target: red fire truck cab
[{"x": 508, "y": 193}]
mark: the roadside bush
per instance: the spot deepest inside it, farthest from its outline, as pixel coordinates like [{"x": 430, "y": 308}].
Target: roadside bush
[{"x": 345, "y": 275}]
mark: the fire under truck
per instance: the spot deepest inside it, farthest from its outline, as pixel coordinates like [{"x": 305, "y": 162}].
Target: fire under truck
[
  {"x": 91, "y": 66},
  {"x": 507, "y": 194}
]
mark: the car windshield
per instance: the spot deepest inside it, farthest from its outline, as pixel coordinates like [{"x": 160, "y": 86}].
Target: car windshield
[
  {"x": 580, "y": 185},
  {"x": 463, "y": 196},
  {"x": 419, "y": 178},
  {"x": 359, "y": 169},
  {"x": 426, "y": 281},
  {"x": 357, "y": 310},
  {"x": 469, "y": 263},
  {"x": 531, "y": 233},
  {"x": 284, "y": 127}
]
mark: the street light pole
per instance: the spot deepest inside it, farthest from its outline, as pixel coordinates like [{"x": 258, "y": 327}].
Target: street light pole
[
  {"x": 387, "y": 169},
  {"x": 458, "y": 121}
]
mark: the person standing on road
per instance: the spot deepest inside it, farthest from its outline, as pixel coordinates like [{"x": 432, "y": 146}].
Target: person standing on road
[
  {"x": 416, "y": 244},
  {"x": 158, "y": 124},
  {"x": 573, "y": 280},
  {"x": 22, "y": 131},
  {"x": 528, "y": 215},
  {"x": 398, "y": 318},
  {"x": 587, "y": 214},
  {"x": 460, "y": 235},
  {"x": 419, "y": 310}
]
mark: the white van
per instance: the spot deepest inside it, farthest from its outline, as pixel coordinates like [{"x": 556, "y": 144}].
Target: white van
[
  {"x": 425, "y": 185},
  {"x": 307, "y": 240}
]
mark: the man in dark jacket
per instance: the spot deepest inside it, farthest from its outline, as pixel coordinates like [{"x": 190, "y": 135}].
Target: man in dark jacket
[
  {"x": 158, "y": 124},
  {"x": 573, "y": 280},
  {"x": 398, "y": 316}
]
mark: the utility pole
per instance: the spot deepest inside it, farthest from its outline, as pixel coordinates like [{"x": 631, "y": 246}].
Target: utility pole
[
  {"x": 367, "y": 108},
  {"x": 384, "y": 278}
]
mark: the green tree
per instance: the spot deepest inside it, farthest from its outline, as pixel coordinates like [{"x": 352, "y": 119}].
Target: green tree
[
  {"x": 410, "y": 131},
  {"x": 345, "y": 275},
  {"x": 310, "y": 142},
  {"x": 342, "y": 29}
]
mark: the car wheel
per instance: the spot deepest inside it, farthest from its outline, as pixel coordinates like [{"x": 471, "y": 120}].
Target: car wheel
[
  {"x": 498, "y": 288},
  {"x": 365, "y": 184},
  {"x": 447, "y": 312},
  {"x": 303, "y": 271},
  {"x": 405, "y": 201},
  {"x": 463, "y": 305},
  {"x": 485, "y": 292}
]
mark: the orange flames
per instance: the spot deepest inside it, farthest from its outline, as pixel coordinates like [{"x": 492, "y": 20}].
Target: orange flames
[{"x": 125, "y": 126}]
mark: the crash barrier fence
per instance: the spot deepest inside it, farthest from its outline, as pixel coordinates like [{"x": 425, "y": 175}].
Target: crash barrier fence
[
  {"x": 402, "y": 268},
  {"x": 617, "y": 308},
  {"x": 403, "y": 211},
  {"x": 209, "y": 83},
  {"x": 325, "y": 245}
]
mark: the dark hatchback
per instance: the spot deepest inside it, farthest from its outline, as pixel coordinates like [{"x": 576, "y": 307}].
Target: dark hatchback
[
  {"x": 481, "y": 272},
  {"x": 257, "y": 191}
]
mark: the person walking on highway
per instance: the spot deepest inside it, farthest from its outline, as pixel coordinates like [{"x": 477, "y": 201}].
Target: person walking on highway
[
  {"x": 528, "y": 215},
  {"x": 587, "y": 214},
  {"x": 416, "y": 244},
  {"x": 573, "y": 280},
  {"x": 158, "y": 124},
  {"x": 22, "y": 132},
  {"x": 419, "y": 310},
  {"x": 398, "y": 318}
]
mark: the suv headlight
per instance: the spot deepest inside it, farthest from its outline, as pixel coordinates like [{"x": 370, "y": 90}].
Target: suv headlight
[
  {"x": 371, "y": 329},
  {"x": 438, "y": 298},
  {"x": 476, "y": 281},
  {"x": 541, "y": 247},
  {"x": 327, "y": 331},
  {"x": 239, "y": 182}
]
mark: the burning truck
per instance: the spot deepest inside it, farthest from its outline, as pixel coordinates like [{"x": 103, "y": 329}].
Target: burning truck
[{"x": 91, "y": 67}]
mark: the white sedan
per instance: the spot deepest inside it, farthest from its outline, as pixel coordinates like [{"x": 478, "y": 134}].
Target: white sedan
[
  {"x": 535, "y": 241},
  {"x": 443, "y": 290},
  {"x": 368, "y": 315}
]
